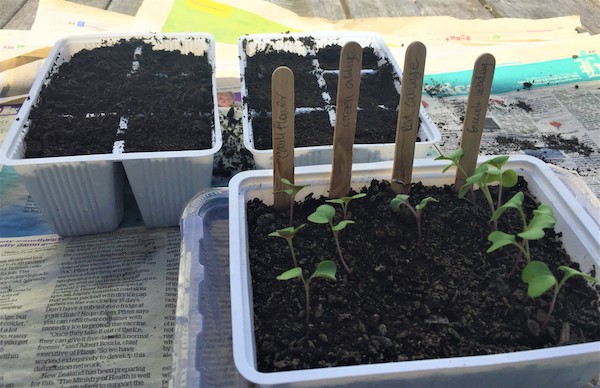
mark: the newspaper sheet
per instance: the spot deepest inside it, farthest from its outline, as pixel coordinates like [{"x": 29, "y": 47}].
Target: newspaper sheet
[{"x": 93, "y": 311}]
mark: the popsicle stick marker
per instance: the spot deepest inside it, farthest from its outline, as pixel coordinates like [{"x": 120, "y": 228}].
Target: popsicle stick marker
[
  {"x": 407, "y": 127},
  {"x": 345, "y": 119},
  {"x": 477, "y": 104},
  {"x": 282, "y": 125}
]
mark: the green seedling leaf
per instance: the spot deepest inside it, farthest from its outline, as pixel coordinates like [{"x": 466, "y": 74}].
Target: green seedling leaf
[
  {"x": 498, "y": 161},
  {"x": 491, "y": 175},
  {"x": 487, "y": 172},
  {"x": 500, "y": 239},
  {"x": 287, "y": 233},
  {"x": 478, "y": 178},
  {"x": 295, "y": 272},
  {"x": 424, "y": 203},
  {"x": 543, "y": 218},
  {"x": 325, "y": 269},
  {"x": 509, "y": 178},
  {"x": 545, "y": 209},
  {"x": 516, "y": 202},
  {"x": 397, "y": 201},
  {"x": 345, "y": 200},
  {"x": 493, "y": 167},
  {"x": 538, "y": 278},
  {"x": 323, "y": 215},
  {"x": 570, "y": 272},
  {"x": 475, "y": 178},
  {"x": 493, "y": 171},
  {"x": 294, "y": 187},
  {"x": 341, "y": 225},
  {"x": 482, "y": 168},
  {"x": 454, "y": 157}
]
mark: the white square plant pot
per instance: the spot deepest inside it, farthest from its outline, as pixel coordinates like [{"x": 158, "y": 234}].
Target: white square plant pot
[
  {"x": 251, "y": 45},
  {"x": 568, "y": 366},
  {"x": 83, "y": 194}
]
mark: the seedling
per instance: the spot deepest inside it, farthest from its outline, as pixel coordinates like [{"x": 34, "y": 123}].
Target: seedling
[
  {"x": 325, "y": 269},
  {"x": 402, "y": 199},
  {"x": 540, "y": 279},
  {"x": 288, "y": 234},
  {"x": 345, "y": 201},
  {"x": 485, "y": 175},
  {"x": 324, "y": 215},
  {"x": 292, "y": 191},
  {"x": 454, "y": 158},
  {"x": 543, "y": 218}
]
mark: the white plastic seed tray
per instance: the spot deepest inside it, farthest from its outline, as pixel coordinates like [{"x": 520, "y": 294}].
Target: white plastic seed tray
[
  {"x": 249, "y": 45},
  {"x": 568, "y": 366},
  {"x": 84, "y": 194}
]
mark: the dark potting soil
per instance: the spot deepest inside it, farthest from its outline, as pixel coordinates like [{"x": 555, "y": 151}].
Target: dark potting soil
[
  {"x": 378, "y": 100},
  {"x": 259, "y": 69},
  {"x": 329, "y": 57},
  {"x": 166, "y": 102},
  {"x": 402, "y": 301}
]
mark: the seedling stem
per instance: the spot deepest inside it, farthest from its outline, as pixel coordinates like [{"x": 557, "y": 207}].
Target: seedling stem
[
  {"x": 325, "y": 269},
  {"x": 324, "y": 215}
]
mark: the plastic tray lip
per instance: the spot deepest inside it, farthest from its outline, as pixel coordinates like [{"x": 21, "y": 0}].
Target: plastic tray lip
[
  {"x": 439, "y": 366},
  {"x": 202, "y": 201},
  {"x": 191, "y": 230},
  {"x": 432, "y": 131},
  {"x": 242, "y": 332},
  {"x": 18, "y": 130}
]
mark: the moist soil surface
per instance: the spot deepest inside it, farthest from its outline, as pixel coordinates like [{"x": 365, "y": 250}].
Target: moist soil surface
[
  {"x": 403, "y": 300},
  {"x": 153, "y": 100},
  {"x": 378, "y": 99}
]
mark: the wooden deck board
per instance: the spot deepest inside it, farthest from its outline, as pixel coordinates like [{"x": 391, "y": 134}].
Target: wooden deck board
[
  {"x": 18, "y": 14},
  {"x": 102, "y": 4},
  {"x": 468, "y": 9},
  {"x": 127, "y": 7},
  {"x": 589, "y": 10},
  {"x": 328, "y": 9},
  {"x": 9, "y": 10}
]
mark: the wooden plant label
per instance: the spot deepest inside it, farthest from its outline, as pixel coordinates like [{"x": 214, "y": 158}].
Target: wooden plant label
[
  {"x": 282, "y": 125},
  {"x": 407, "y": 126},
  {"x": 345, "y": 119},
  {"x": 477, "y": 104}
]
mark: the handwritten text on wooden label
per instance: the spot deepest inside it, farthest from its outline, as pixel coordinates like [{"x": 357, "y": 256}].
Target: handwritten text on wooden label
[
  {"x": 347, "y": 82},
  {"x": 478, "y": 108},
  {"x": 412, "y": 98},
  {"x": 280, "y": 125}
]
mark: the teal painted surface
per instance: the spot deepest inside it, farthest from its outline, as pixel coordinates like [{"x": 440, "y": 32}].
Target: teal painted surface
[{"x": 510, "y": 78}]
